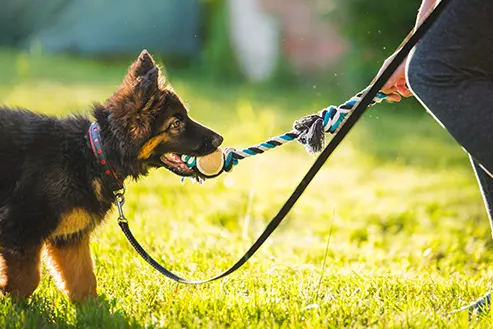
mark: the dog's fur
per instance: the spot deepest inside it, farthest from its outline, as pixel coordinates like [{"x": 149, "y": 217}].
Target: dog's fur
[{"x": 53, "y": 192}]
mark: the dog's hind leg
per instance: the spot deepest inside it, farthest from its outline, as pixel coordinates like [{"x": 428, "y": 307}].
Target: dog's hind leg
[
  {"x": 20, "y": 271},
  {"x": 72, "y": 267}
]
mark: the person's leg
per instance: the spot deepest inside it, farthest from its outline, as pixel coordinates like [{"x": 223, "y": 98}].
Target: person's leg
[
  {"x": 451, "y": 74},
  {"x": 486, "y": 184}
]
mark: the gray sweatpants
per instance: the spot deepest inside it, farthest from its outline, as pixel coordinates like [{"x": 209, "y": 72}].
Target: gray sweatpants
[{"x": 451, "y": 73}]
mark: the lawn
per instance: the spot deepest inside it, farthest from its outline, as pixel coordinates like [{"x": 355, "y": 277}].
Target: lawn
[{"x": 391, "y": 234}]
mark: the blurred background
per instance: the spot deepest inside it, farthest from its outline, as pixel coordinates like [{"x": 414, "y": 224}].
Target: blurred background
[
  {"x": 248, "y": 69},
  {"x": 255, "y": 40}
]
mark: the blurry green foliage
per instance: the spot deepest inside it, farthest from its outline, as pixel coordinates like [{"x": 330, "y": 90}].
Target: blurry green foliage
[
  {"x": 375, "y": 29},
  {"x": 217, "y": 60}
]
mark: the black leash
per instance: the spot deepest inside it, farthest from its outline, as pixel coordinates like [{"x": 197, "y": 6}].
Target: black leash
[{"x": 336, "y": 140}]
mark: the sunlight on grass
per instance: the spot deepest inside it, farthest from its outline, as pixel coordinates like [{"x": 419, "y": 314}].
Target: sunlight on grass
[{"x": 410, "y": 238}]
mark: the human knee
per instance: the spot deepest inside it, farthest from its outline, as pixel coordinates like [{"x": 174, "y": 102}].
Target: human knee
[{"x": 422, "y": 77}]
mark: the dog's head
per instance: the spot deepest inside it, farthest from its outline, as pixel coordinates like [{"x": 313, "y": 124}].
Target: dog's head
[{"x": 152, "y": 123}]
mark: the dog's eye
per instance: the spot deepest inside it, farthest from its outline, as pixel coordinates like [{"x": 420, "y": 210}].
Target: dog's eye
[{"x": 176, "y": 124}]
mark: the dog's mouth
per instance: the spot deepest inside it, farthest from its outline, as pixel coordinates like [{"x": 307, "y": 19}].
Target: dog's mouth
[{"x": 174, "y": 163}]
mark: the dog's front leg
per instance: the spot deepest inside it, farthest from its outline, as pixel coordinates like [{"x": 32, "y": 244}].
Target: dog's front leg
[
  {"x": 20, "y": 271},
  {"x": 72, "y": 267}
]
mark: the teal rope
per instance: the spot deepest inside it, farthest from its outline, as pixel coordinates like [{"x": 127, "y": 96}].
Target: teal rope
[{"x": 331, "y": 118}]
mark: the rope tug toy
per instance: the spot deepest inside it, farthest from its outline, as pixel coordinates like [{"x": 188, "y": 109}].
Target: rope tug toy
[{"x": 309, "y": 131}]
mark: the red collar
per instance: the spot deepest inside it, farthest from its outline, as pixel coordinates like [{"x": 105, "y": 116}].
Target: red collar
[{"x": 97, "y": 148}]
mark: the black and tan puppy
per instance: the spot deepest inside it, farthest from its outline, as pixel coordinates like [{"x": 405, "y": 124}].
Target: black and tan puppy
[{"x": 54, "y": 191}]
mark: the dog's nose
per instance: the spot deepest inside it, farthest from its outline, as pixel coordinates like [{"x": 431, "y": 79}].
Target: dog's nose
[{"x": 217, "y": 140}]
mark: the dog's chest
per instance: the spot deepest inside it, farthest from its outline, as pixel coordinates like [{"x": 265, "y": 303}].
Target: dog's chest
[{"x": 75, "y": 222}]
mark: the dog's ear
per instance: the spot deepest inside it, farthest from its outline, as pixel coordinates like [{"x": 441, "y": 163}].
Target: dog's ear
[
  {"x": 142, "y": 65},
  {"x": 143, "y": 75},
  {"x": 138, "y": 95}
]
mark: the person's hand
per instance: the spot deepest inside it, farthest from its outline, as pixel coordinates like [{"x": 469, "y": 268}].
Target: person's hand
[{"x": 396, "y": 86}]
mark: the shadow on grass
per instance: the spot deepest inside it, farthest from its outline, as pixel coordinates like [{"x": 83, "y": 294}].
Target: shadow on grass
[{"x": 40, "y": 312}]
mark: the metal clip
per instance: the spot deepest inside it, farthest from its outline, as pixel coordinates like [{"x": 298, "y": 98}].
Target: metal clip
[{"x": 120, "y": 201}]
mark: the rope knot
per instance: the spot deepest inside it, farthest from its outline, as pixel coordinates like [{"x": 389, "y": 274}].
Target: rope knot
[{"x": 311, "y": 132}]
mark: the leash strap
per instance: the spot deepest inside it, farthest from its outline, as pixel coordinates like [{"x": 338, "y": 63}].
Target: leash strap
[{"x": 322, "y": 158}]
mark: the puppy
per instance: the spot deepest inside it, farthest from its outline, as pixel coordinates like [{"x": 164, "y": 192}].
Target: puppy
[{"x": 58, "y": 176}]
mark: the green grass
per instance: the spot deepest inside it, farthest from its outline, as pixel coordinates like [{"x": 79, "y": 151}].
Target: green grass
[{"x": 397, "y": 208}]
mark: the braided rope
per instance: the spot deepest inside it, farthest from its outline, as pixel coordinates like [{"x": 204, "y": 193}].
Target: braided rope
[{"x": 328, "y": 120}]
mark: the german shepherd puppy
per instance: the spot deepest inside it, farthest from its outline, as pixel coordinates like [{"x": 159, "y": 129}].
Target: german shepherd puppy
[{"x": 53, "y": 189}]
